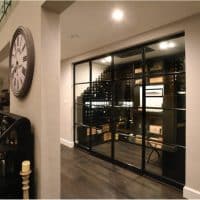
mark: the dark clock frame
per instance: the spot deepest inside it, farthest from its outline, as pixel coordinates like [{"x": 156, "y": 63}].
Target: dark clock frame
[{"x": 30, "y": 61}]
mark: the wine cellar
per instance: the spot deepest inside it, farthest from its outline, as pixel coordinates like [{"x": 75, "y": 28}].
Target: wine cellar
[{"x": 129, "y": 108}]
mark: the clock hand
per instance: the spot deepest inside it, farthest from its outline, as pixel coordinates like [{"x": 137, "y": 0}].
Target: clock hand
[
  {"x": 21, "y": 66},
  {"x": 13, "y": 71}
]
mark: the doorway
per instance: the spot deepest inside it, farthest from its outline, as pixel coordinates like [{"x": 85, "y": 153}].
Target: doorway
[{"x": 129, "y": 108}]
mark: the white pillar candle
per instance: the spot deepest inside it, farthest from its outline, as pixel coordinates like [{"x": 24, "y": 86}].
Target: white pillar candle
[{"x": 26, "y": 166}]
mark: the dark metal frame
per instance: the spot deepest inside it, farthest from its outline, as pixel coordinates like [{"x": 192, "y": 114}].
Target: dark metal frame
[
  {"x": 5, "y": 8},
  {"x": 111, "y": 159},
  {"x": 30, "y": 61}
]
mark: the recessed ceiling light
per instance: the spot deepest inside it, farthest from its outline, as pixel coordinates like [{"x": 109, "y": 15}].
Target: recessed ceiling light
[
  {"x": 107, "y": 59},
  {"x": 163, "y": 45},
  {"x": 117, "y": 15},
  {"x": 171, "y": 45},
  {"x": 166, "y": 45}
]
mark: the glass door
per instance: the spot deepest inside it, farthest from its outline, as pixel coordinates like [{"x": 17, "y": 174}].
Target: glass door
[
  {"x": 82, "y": 108},
  {"x": 127, "y": 108},
  {"x": 101, "y": 105},
  {"x": 165, "y": 109},
  {"x": 130, "y": 107}
]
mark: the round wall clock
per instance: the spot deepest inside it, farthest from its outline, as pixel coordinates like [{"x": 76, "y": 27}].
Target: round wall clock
[{"x": 21, "y": 61}]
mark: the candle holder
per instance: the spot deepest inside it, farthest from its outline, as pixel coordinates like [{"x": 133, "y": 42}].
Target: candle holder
[{"x": 25, "y": 183}]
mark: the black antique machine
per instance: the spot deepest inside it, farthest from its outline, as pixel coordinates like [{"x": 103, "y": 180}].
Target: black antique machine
[{"x": 16, "y": 145}]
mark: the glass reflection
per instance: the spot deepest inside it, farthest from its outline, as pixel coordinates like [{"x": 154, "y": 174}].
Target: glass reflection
[{"x": 165, "y": 109}]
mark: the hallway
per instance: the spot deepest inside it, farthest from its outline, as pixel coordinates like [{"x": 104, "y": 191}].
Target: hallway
[{"x": 85, "y": 176}]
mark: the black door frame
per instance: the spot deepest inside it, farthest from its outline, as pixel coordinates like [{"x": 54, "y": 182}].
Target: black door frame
[{"x": 111, "y": 159}]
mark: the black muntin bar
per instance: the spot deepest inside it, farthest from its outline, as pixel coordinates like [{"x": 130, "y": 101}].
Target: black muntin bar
[
  {"x": 112, "y": 110},
  {"x": 143, "y": 109},
  {"x": 90, "y": 137}
]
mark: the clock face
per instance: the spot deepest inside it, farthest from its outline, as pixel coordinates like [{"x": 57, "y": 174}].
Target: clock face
[
  {"x": 18, "y": 63},
  {"x": 21, "y": 62}
]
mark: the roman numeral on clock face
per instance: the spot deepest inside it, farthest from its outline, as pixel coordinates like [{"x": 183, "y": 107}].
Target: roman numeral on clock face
[
  {"x": 23, "y": 47},
  {"x": 19, "y": 62},
  {"x": 23, "y": 71},
  {"x": 24, "y": 58},
  {"x": 17, "y": 40}
]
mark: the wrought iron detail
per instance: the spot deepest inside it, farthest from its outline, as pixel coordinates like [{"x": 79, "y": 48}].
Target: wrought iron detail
[{"x": 4, "y": 4}]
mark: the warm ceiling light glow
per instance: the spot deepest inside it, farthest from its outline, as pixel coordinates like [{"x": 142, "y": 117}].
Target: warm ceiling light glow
[
  {"x": 117, "y": 15},
  {"x": 171, "y": 45},
  {"x": 163, "y": 45},
  {"x": 107, "y": 59},
  {"x": 166, "y": 45}
]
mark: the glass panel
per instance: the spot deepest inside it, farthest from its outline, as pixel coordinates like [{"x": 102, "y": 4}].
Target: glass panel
[
  {"x": 101, "y": 93},
  {"x": 165, "y": 132},
  {"x": 128, "y": 64},
  {"x": 128, "y": 120},
  {"x": 174, "y": 91},
  {"x": 101, "y": 103},
  {"x": 127, "y": 100},
  {"x": 128, "y": 136},
  {"x": 128, "y": 93},
  {"x": 166, "y": 91},
  {"x": 165, "y": 109},
  {"x": 101, "y": 69},
  {"x": 82, "y": 135},
  {"x": 82, "y": 93},
  {"x": 82, "y": 73},
  {"x": 101, "y": 129},
  {"x": 100, "y": 115},
  {"x": 166, "y": 57},
  {"x": 168, "y": 126},
  {"x": 174, "y": 127},
  {"x": 82, "y": 114},
  {"x": 174, "y": 164},
  {"x": 101, "y": 138}
]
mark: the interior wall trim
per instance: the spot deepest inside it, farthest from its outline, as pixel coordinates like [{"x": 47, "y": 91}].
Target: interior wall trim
[
  {"x": 190, "y": 193},
  {"x": 67, "y": 143}
]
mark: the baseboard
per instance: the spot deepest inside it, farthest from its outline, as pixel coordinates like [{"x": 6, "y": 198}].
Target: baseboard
[
  {"x": 190, "y": 193},
  {"x": 67, "y": 143}
]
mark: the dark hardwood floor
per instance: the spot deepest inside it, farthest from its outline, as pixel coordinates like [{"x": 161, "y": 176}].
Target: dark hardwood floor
[
  {"x": 85, "y": 176},
  {"x": 131, "y": 154}
]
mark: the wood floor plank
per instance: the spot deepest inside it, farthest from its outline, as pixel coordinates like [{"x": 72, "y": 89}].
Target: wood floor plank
[{"x": 85, "y": 176}]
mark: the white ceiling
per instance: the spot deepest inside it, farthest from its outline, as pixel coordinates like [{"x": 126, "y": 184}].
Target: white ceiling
[
  {"x": 156, "y": 52},
  {"x": 87, "y": 25}
]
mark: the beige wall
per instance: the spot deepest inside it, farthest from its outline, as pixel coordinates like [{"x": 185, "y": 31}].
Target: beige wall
[
  {"x": 50, "y": 104},
  {"x": 192, "y": 45},
  {"x": 31, "y": 105},
  {"x": 4, "y": 76},
  {"x": 40, "y": 101},
  {"x": 66, "y": 104},
  {"x": 191, "y": 26},
  {"x": 50, "y": 95}
]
